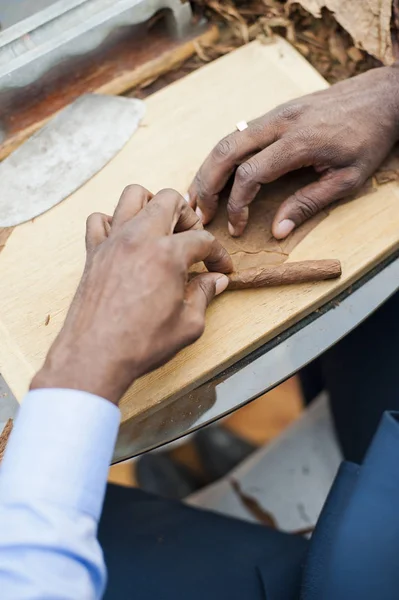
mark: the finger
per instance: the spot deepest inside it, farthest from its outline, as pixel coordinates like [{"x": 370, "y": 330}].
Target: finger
[
  {"x": 189, "y": 201},
  {"x": 224, "y": 158},
  {"x": 167, "y": 213},
  {"x": 266, "y": 166},
  {"x": 132, "y": 201},
  {"x": 199, "y": 293},
  {"x": 219, "y": 260},
  {"x": 98, "y": 227},
  {"x": 198, "y": 246},
  {"x": 202, "y": 289},
  {"x": 309, "y": 200},
  {"x": 193, "y": 246}
]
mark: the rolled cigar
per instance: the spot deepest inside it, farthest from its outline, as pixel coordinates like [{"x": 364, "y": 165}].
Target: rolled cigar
[{"x": 295, "y": 272}]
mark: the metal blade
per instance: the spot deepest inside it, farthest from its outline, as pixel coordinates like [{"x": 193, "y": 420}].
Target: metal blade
[{"x": 65, "y": 154}]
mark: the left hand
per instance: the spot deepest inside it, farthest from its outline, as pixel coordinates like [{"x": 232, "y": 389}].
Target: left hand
[{"x": 344, "y": 132}]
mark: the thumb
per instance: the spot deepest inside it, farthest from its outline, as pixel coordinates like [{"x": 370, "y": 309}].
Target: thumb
[
  {"x": 203, "y": 288},
  {"x": 199, "y": 293},
  {"x": 311, "y": 199}
]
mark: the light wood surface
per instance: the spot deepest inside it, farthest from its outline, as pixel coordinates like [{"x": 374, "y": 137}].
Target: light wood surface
[{"x": 42, "y": 261}]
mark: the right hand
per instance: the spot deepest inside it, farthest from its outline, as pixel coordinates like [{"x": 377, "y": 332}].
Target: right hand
[{"x": 134, "y": 308}]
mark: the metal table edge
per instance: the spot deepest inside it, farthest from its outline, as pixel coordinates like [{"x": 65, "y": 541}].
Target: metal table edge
[{"x": 286, "y": 354}]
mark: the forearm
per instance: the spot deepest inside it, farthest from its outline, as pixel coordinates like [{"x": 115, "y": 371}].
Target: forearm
[{"x": 52, "y": 484}]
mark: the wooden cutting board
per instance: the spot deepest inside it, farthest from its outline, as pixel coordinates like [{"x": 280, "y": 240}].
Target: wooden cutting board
[{"x": 42, "y": 261}]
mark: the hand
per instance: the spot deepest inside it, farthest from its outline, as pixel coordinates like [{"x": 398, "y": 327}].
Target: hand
[
  {"x": 344, "y": 132},
  {"x": 134, "y": 308}
]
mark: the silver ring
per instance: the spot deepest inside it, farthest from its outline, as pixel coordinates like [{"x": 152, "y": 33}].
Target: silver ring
[{"x": 241, "y": 125}]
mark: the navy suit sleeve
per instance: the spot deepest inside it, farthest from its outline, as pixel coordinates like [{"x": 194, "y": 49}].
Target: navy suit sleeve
[{"x": 355, "y": 549}]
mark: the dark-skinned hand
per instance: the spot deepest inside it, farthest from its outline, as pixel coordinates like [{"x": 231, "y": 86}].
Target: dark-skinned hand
[
  {"x": 344, "y": 132},
  {"x": 135, "y": 308}
]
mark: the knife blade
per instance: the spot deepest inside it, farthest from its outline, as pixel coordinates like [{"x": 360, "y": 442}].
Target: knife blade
[{"x": 65, "y": 154}]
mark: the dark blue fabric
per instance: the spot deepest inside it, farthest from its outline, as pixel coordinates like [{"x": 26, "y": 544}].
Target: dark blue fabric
[
  {"x": 324, "y": 537},
  {"x": 364, "y": 555},
  {"x": 158, "y": 549},
  {"x": 161, "y": 549}
]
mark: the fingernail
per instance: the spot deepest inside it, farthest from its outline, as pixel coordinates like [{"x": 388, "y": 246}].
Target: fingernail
[
  {"x": 221, "y": 284},
  {"x": 283, "y": 228},
  {"x": 186, "y": 197},
  {"x": 199, "y": 213},
  {"x": 231, "y": 229}
]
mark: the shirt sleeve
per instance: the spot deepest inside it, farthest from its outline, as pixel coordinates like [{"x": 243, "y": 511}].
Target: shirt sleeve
[{"x": 52, "y": 485}]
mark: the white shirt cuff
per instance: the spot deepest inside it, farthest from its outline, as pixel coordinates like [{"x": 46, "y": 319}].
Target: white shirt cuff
[{"x": 60, "y": 450}]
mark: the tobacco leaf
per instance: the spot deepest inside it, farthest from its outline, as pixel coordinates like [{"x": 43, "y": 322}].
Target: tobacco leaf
[
  {"x": 4, "y": 235},
  {"x": 241, "y": 21},
  {"x": 389, "y": 170},
  {"x": 369, "y": 23},
  {"x": 4, "y": 437},
  {"x": 262, "y": 515},
  {"x": 257, "y": 247},
  {"x": 253, "y": 506}
]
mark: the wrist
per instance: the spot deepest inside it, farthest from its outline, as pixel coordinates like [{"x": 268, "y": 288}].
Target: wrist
[{"x": 66, "y": 369}]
